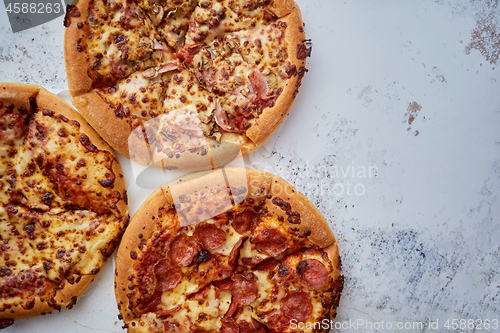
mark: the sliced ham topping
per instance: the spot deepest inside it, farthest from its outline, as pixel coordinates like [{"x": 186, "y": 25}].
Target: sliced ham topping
[
  {"x": 271, "y": 241},
  {"x": 182, "y": 250},
  {"x": 13, "y": 126},
  {"x": 159, "y": 46},
  {"x": 170, "y": 66},
  {"x": 245, "y": 221},
  {"x": 297, "y": 305},
  {"x": 187, "y": 52},
  {"x": 167, "y": 275},
  {"x": 223, "y": 120},
  {"x": 245, "y": 288},
  {"x": 258, "y": 83},
  {"x": 210, "y": 236},
  {"x": 313, "y": 273}
]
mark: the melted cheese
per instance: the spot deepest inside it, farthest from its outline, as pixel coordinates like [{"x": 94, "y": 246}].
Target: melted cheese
[
  {"x": 54, "y": 166},
  {"x": 205, "y": 314},
  {"x": 136, "y": 96},
  {"x": 232, "y": 237},
  {"x": 236, "y": 17}
]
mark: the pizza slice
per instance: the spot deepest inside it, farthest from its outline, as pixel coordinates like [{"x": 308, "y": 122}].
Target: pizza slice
[
  {"x": 171, "y": 18},
  {"x": 246, "y": 72},
  {"x": 52, "y": 168},
  {"x": 211, "y": 19},
  {"x": 63, "y": 203},
  {"x": 109, "y": 41},
  {"x": 298, "y": 289}
]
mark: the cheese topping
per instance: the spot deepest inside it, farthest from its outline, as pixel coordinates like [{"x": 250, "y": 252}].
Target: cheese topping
[
  {"x": 58, "y": 207},
  {"x": 226, "y": 58}
]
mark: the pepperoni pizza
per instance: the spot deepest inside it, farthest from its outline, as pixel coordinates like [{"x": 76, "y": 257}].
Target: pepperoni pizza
[
  {"x": 235, "y": 250},
  {"x": 62, "y": 203},
  {"x": 184, "y": 84}
]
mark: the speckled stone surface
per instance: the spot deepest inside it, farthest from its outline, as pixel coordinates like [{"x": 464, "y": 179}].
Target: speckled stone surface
[{"x": 395, "y": 137}]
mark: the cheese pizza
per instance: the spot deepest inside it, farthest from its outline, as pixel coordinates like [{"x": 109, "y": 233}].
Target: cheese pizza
[
  {"x": 184, "y": 84},
  {"x": 235, "y": 250},
  {"x": 63, "y": 203}
]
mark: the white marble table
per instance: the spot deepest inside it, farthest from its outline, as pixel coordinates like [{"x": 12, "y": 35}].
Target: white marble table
[{"x": 395, "y": 136}]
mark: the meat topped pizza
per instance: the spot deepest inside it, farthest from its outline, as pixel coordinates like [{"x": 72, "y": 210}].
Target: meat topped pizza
[
  {"x": 235, "y": 250},
  {"x": 63, "y": 203},
  {"x": 184, "y": 84}
]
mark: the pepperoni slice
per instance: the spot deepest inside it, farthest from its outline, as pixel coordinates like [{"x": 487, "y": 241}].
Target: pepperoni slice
[
  {"x": 210, "y": 236},
  {"x": 313, "y": 273},
  {"x": 235, "y": 252},
  {"x": 182, "y": 250},
  {"x": 297, "y": 305},
  {"x": 266, "y": 265},
  {"x": 167, "y": 276},
  {"x": 245, "y": 221},
  {"x": 168, "y": 327},
  {"x": 245, "y": 288},
  {"x": 252, "y": 327},
  {"x": 226, "y": 284},
  {"x": 200, "y": 295},
  {"x": 229, "y": 327},
  {"x": 271, "y": 241},
  {"x": 151, "y": 303},
  {"x": 277, "y": 322}
]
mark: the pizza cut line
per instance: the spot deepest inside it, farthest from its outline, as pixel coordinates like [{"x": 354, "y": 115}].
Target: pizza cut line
[
  {"x": 237, "y": 65},
  {"x": 263, "y": 259},
  {"x": 63, "y": 203}
]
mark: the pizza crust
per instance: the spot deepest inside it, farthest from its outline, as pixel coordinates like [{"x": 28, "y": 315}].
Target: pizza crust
[
  {"x": 66, "y": 297},
  {"x": 271, "y": 118},
  {"x": 18, "y": 93},
  {"x": 260, "y": 185},
  {"x": 76, "y": 65},
  {"x": 141, "y": 224},
  {"x": 102, "y": 118},
  {"x": 67, "y": 294}
]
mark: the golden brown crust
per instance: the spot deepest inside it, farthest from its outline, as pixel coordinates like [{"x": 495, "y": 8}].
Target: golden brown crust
[
  {"x": 66, "y": 297},
  {"x": 141, "y": 224},
  {"x": 66, "y": 294},
  {"x": 76, "y": 65},
  {"x": 271, "y": 118},
  {"x": 282, "y": 8},
  {"x": 18, "y": 93},
  {"x": 101, "y": 117},
  {"x": 310, "y": 217},
  {"x": 333, "y": 254},
  {"x": 260, "y": 185}
]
